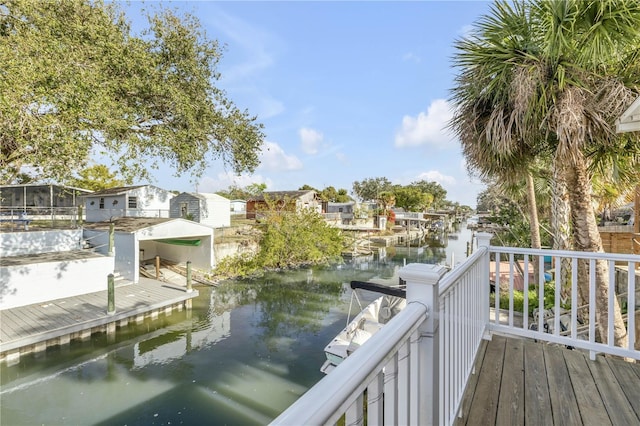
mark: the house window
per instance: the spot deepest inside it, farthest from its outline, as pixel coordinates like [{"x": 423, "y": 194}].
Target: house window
[
  {"x": 101, "y": 203},
  {"x": 133, "y": 202},
  {"x": 184, "y": 210}
]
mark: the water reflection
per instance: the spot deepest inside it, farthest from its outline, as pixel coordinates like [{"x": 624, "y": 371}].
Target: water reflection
[{"x": 245, "y": 352}]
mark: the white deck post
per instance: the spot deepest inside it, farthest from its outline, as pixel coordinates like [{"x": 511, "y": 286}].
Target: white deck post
[
  {"x": 484, "y": 240},
  {"x": 422, "y": 287}
]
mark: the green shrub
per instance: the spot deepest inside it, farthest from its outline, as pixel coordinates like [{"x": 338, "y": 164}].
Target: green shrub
[{"x": 518, "y": 299}]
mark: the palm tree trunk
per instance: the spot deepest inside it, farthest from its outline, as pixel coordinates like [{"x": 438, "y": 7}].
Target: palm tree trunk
[
  {"x": 560, "y": 208},
  {"x": 534, "y": 224},
  {"x": 561, "y": 228},
  {"x": 587, "y": 238}
]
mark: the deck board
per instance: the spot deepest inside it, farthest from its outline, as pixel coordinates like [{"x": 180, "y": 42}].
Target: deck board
[
  {"x": 485, "y": 403},
  {"x": 537, "y": 404},
  {"x": 618, "y": 407},
  {"x": 510, "y": 408},
  {"x": 522, "y": 382},
  {"x": 629, "y": 380},
  {"x": 564, "y": 406},
  {"x": 590, "y": 404},
  {"x": 40, "y": 322}
]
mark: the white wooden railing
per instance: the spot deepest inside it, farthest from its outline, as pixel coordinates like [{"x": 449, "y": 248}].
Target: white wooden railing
[
  {"x": 415, "y": 370},
  {"x": 567, "y": 322}
]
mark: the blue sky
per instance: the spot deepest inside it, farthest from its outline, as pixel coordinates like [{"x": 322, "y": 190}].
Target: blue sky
[{"x": 346, "y": 90}]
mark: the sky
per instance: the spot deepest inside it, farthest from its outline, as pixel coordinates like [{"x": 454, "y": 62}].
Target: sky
[{"x": 345, "y": 90}]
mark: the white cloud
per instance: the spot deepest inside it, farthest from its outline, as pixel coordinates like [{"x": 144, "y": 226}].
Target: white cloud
[
  {"x": 273, "y": 158},
  {"x": 436, "y": 176},
  {"x": 427, "y": 128},
  {"x": 310, "y": 140}
]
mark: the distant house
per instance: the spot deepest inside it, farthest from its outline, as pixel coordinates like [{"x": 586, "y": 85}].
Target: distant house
[
  {"x": 127, "y": 201},
  {"x": 238, "y": 206},
  {"x": 208, "y": 209},
  {"x": 342, "y": 212},
  {"x": 39, "y": 199},
  {"x": 287, "y": 200}
]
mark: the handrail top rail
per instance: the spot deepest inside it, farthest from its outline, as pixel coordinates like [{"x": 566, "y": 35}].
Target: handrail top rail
[
  {"x": 451, "y": 278},
  {"x": 353, "y": 374},
  {"x": 568, "y": 253}
]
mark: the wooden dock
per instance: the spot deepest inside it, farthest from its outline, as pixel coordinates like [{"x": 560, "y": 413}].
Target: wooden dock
[
  {"x": 33, "y": 328},
  {"x": 520, "y": 382}
]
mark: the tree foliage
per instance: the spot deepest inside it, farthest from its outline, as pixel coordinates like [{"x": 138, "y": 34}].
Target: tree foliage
[
  {"x": 411, "y": 198},
  {"x": 288, "y": 239},
  {"x": 370, "y": 188},
  {"x": 234, "y": 192},
  {"x": 330, "y": 193},
  {"x": 294, "y": 238},
  {"x": 95, "y": 178},
  {"x": 76, "y": 81}
]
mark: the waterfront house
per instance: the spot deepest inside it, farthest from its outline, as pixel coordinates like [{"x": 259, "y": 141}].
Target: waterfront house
[
  {"x": 205, "y": 208},
  {"x": 284, "y": 200},
  {"x": 127, "y": 201}
]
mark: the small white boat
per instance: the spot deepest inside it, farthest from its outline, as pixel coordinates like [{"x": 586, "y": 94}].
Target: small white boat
[{"x": 364, "y": 325}]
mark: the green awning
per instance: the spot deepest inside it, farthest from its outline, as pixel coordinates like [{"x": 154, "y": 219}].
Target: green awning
[{"x": 179, "y": 242}]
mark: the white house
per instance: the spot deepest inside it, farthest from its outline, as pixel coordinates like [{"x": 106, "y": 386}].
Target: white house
[
  {"x": 208, "y": 209},
  {"x": 142, "y": 239},
  {"x": 127, "y": 201},
  {"x": 238, "y": 206}
]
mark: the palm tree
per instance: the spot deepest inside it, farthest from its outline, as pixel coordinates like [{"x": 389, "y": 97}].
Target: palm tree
[{"x": 539, "y": 79}]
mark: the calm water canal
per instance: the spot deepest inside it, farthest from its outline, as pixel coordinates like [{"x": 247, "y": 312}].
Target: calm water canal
[{"x": 243, "y": 354}]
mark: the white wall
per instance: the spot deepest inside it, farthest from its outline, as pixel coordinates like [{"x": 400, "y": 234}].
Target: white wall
[
  {"x": 21, "y": 243},
  {"x": 217, "y": 213},
  {"x": 127, "y": 256},
  {"x": 41, "y": 282},
  {"x": 95, "y": 214}
]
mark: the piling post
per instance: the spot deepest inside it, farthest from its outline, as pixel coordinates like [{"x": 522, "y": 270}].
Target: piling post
[
  {"x": 189, "y": 285},
  {"x": 111, "y": 295},
  {"x": 157, "y": 267}
]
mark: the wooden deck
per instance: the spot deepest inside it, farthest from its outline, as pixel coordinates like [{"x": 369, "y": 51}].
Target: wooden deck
[
  {"x": 520, "y": 382},
  {"x": 34, "y": 327}
]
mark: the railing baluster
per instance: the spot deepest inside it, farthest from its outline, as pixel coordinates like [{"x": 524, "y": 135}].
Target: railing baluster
[
  {"x": 374, "y": 401},
  {"x": 610, "y": 306},
  {"x": 525, "y": 289},
  {"x": 390, "y": 392},
  {"x": 355, "y": 413},
  {"x": 511, "y": 277},
  {"x": 574, "y": 298},
  {"x": 592, "y": 303},
  {"x": 631, "y": 304},
  {"x": 403, "y": 384}
]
